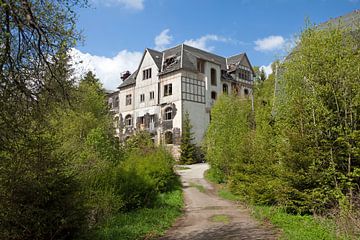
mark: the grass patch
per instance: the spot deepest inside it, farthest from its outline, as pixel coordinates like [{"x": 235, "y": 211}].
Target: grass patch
[
  {"x": 145, "y": 223},
  {"x": 198, "y": 187},
  {"x": 297, "y": 227},
  {"x": 181, "y": 168},
  {"x": 220, "y": 218},
  {"x": 293, "y": 227},
  {"x": 228, "y": 195}
]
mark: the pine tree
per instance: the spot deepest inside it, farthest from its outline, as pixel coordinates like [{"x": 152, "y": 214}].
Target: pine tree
[{"x": 187, "y": 147}]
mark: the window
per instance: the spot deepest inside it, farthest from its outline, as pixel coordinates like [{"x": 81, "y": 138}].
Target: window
[
  {"x": 128, "y": 120},
  {"x": 193, "y": 90},
  {"x": 168, "y": 137},
  {"x": 246, "y": 91},
  {"x": 152, "y": 95},
  {"x": 147, "y": 73},
  {"x": 201, "y": 65},
  {"x": 213, "y": 95},
  {"x": 167, "y": 90},
  {"x": 142, "y": 97},
  {"x": 213, "y": 77},
  {"x": 225, "y": 88},
  {"x": 243, "y": 74},
  {"x": 168, "y": 113},
  {"x": 128, "y": 99}
]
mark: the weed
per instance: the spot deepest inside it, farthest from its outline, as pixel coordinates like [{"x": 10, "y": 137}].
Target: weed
[
  {"x": 220, "y": 218},
  {"x": 199, "y": 187}
]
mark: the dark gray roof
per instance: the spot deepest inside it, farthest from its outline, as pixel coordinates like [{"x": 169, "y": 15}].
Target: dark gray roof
[
  {"x": 193, "y": 53},
  {"x": 157, "y": 56},
  {"x": 236, "y": 59},
  {"x": 185, "y": 57},
  {"x": 172, "y": 59},
  {"x": 129, "y": 81}
]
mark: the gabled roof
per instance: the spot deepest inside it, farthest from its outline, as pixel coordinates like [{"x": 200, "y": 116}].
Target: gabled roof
[
  {"x": 186, "y": 57},
  {"x": 236, "y": 59},
  {"x": 129, "y": 81},
  {"x": 239, "y": 59},
  {"x": 156, "y": 56}
]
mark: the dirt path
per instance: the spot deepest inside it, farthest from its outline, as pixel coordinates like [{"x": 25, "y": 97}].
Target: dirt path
[{"x": 209, "y": 217}]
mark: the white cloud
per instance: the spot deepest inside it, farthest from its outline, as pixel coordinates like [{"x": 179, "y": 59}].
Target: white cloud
[
  {"x": 203, "y": 42},
  {"x": 270, "y": 43},
  {"x": 129, "y": 4},
  {"x": 163, "y": 40},
  {"x": 106, "y": 69},
  {"x": 267, "y": 69}
]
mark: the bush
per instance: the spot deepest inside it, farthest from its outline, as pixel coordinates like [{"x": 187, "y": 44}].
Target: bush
[{"x": 149, "y": 174}]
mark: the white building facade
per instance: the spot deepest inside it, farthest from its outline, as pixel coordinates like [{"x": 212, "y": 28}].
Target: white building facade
[{"x": 170, "y": 83}]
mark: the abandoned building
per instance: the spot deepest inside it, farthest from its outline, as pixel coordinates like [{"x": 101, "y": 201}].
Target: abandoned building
[{"x": 170, "y": 83}]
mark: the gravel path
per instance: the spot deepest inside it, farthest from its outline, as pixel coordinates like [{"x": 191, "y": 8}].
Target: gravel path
[{"x": 209, "y": 217}]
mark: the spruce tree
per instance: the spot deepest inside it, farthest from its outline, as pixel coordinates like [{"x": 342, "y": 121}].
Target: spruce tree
[{"x": 187, "y": 148}]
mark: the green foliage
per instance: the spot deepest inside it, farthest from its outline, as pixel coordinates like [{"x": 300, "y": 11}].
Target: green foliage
[
  {"x": 187, "y": 147},
  {"x": 227, "y": 137},
  {"x": 297, "y": 227},
  {"x": 150, "y": 173},
  {"x": 299, "y": 148},
  {"x": 144, "y": 223},
  {"x": 38, "y": 198}
]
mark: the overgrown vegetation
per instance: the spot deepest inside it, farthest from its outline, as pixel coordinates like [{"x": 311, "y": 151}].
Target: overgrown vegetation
[
  {"x": 299, "y": 147},
  {"x": 63, "y": 174}
]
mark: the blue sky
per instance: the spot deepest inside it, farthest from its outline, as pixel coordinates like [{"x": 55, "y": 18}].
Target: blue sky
[{"x": 117, "y": 31}]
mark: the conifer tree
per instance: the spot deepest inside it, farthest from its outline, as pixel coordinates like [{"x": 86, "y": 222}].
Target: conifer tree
[{"x": 187, "y": 147}]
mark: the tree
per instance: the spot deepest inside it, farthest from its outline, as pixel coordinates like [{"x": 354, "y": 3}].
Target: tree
[
  {"x": 317, "y": 114},
  {"x": 38, "y": 196},
  {"x": 187, "y": 147},
  {"x": 260, "y": 73}
]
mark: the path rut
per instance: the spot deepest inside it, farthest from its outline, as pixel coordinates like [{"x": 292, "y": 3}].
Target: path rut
[{"x": 207, "y": 216}]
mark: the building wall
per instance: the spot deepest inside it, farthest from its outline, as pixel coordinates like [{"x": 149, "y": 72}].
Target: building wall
[
  {"x": 122, "y": 99},
  {"x": 199, "y": 119},
  {"x": 147, "y": 85},
  {"x": 174, "y": 99},
  {"x": 199, "y": 110}
]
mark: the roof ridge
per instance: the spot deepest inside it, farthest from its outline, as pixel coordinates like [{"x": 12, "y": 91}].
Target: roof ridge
[
  {"x": 203, "y": 50},
  {"x": 235, "y": 55}
]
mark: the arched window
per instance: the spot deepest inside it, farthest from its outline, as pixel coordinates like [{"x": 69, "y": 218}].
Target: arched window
[
  {"x": 213, "y": 95},
  {"x": 246, "y": 91},
  {"x": 128, "y": 120},
  {"x": 168, "y": 113},
  {"x": 213, "y": 76},
  {"x": 225, "y": 88},
  {"x": 168, "y": 137}
]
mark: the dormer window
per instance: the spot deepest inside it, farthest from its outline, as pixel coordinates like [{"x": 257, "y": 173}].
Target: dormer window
[
  {"x": 146, "y": 73},
  {"x": 201, "y": 65}
]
